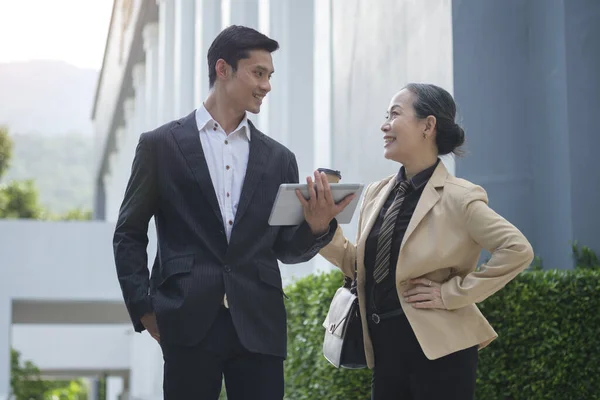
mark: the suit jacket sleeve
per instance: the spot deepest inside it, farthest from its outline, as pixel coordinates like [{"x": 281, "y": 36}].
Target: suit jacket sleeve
[
  {"x": 298, "y": 244},
  {"x": 510, "y": 250},
  {"x": 340, "y": 251},
  {"x": 131, "y": 234}
]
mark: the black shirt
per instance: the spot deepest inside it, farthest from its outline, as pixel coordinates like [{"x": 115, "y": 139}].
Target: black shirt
[{"x": 383, "y": 297}]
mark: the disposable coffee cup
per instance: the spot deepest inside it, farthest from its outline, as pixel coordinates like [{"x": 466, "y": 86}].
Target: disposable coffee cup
[{"x": 333, "y": 176}]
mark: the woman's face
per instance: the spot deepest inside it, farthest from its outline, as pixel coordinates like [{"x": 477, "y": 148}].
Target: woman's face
[{"x": 402, "y": 130}]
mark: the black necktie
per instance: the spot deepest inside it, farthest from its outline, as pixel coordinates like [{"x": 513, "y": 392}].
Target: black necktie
[{"x": 384, "y": 241}]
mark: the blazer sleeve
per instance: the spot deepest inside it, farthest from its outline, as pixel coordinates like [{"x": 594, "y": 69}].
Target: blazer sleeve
[
  {"x": 510, "y": 250},
  {"x": 130, "y": 239},
  {"x": 340, "y": 251},
  {"x": 296, "y": 244}
]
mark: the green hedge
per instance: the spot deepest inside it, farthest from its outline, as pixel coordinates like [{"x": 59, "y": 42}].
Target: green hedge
[{"x": 548, "y": 347}]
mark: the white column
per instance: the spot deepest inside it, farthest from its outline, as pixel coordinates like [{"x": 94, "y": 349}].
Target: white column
[
  {"x": 114, "y": 387},
  {"x": 114, "y": 167},
  {"x": 322, "y": 84},
  {"x": 147, "y": 376},
  {"x": 240, "y": 12},
  {"x": 207, "y": 27},
  {"x": 93, "y": 389},
  {"x": 264, "y": 26},
  {"x": 277, "y": 113},
  {"x": 166, "y": 49},
  {"x": 150, "y": 35},
  {"x": 112, "y": 184},
  {"x": 184, "y": 57},
  {"x": 291, "y": 99},
  {"x": 292, "y": 24},
  {"x": 125, "y": 392},
  {"x": 107, "y": 182},
  {"x": 125, "y": 151},
  {"x": 108, "y": 196},
  {"x": 322, "y": 97},
  {"x": 137, "y": 125},
  {"x": 5, "y": 344},
  {"x": 139, "y": 86},
  {"x": 129, "y": 129}
]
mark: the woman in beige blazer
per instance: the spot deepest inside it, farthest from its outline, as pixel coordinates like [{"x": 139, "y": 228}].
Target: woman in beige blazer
[{"x": 420, "y": 234}]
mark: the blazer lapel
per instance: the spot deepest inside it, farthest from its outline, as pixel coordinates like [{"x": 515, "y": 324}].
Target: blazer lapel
[
  {"x": 429, "y": 198},
  {"x": 381, "y": 197},
  {"x": 257, "y": 162},
  {"x": 187, "y": 136}
]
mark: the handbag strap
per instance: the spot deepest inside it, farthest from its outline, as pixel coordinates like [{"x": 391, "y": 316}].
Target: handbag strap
[{"x": 350, "y": 283}]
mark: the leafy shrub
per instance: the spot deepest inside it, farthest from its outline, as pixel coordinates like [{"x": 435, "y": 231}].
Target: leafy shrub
[{"x": 548, "y": 347}]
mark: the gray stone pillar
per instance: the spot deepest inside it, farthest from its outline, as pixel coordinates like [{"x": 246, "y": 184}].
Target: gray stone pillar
[
  {"x": 491, "y": 64},
  {"x": 582, "y": 55}
]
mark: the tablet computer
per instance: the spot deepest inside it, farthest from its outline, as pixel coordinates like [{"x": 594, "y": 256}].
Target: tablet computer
[{"x": 287, "y": 209}]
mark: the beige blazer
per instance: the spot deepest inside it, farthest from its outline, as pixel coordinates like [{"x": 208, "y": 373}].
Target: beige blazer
[{"x": 451, "y": 224}]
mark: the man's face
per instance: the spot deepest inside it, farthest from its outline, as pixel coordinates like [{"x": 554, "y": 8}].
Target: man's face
[{"x": 248, "y": 86}]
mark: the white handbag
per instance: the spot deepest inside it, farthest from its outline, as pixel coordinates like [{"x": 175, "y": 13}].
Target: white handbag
[{"x": 343, "y": 343}]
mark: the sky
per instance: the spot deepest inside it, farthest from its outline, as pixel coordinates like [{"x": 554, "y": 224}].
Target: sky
[{"x": 73, "y": 31}]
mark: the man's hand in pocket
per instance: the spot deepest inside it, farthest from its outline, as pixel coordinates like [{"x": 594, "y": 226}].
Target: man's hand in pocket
[{"x": 149, "y": 322}]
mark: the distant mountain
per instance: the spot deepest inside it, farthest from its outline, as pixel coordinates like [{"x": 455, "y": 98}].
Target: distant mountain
[
  {"x": 46, "y": 97},
  {"x": 60, "y": 165},
  {"x": 47, "y": 108}
]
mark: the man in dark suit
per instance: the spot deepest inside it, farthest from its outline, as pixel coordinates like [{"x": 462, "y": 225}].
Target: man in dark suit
[{"x": 214, "y": 300}]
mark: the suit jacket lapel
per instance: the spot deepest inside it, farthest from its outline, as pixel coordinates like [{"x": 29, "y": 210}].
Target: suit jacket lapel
[
  {"x": 187, "y": 136},
  {"x": 429, "y": 198},
  {"x": 257, "y": 162}
]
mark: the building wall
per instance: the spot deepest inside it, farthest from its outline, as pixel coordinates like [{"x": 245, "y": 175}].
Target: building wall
[
  {"x": 107, "y": 112},
  {"x": 377, "y": 48},
  {"x": 55, "y": 263},
  {"x": 63, "y": 348},
  {"x": 58, "y": 261}
]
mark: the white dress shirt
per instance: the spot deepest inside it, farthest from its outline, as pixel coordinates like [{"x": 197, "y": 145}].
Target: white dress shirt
[{"x": 227, "y": 159}]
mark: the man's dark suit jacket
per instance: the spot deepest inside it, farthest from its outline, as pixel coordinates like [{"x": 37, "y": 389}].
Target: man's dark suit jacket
[{"x": 194, "y": 265}]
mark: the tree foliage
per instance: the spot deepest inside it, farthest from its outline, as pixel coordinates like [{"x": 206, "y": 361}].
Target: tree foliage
[
  {"x": 20, "y": 198},
  {"x": 61, "y": 165},
  {"x": 27, "y": 384},
  {"x": 5, "y": 150},
  {"x": 25, "y": 381}
]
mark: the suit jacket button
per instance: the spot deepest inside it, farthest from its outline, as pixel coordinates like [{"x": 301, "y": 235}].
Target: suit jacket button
[{"x": 227, "y": 268}]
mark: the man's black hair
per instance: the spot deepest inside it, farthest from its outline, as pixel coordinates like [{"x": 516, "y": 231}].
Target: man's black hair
[{"x": 233, "y": 44}]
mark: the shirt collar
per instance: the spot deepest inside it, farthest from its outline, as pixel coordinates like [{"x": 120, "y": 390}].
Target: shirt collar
[
  {"x": 203, "y": 118},
  {"x": 420, "y": 179}
]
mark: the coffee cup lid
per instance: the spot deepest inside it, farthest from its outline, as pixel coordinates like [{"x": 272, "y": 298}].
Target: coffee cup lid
[{"x": 330, "y": 172}]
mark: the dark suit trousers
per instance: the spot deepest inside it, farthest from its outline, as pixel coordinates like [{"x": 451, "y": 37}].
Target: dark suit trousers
[
  {"x": 402, "y": 372},
  {"x": 196, "y": 372}
]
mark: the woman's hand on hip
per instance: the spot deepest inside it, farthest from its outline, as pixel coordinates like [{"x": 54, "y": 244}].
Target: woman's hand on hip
[{"x": 425, "y": 294}]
